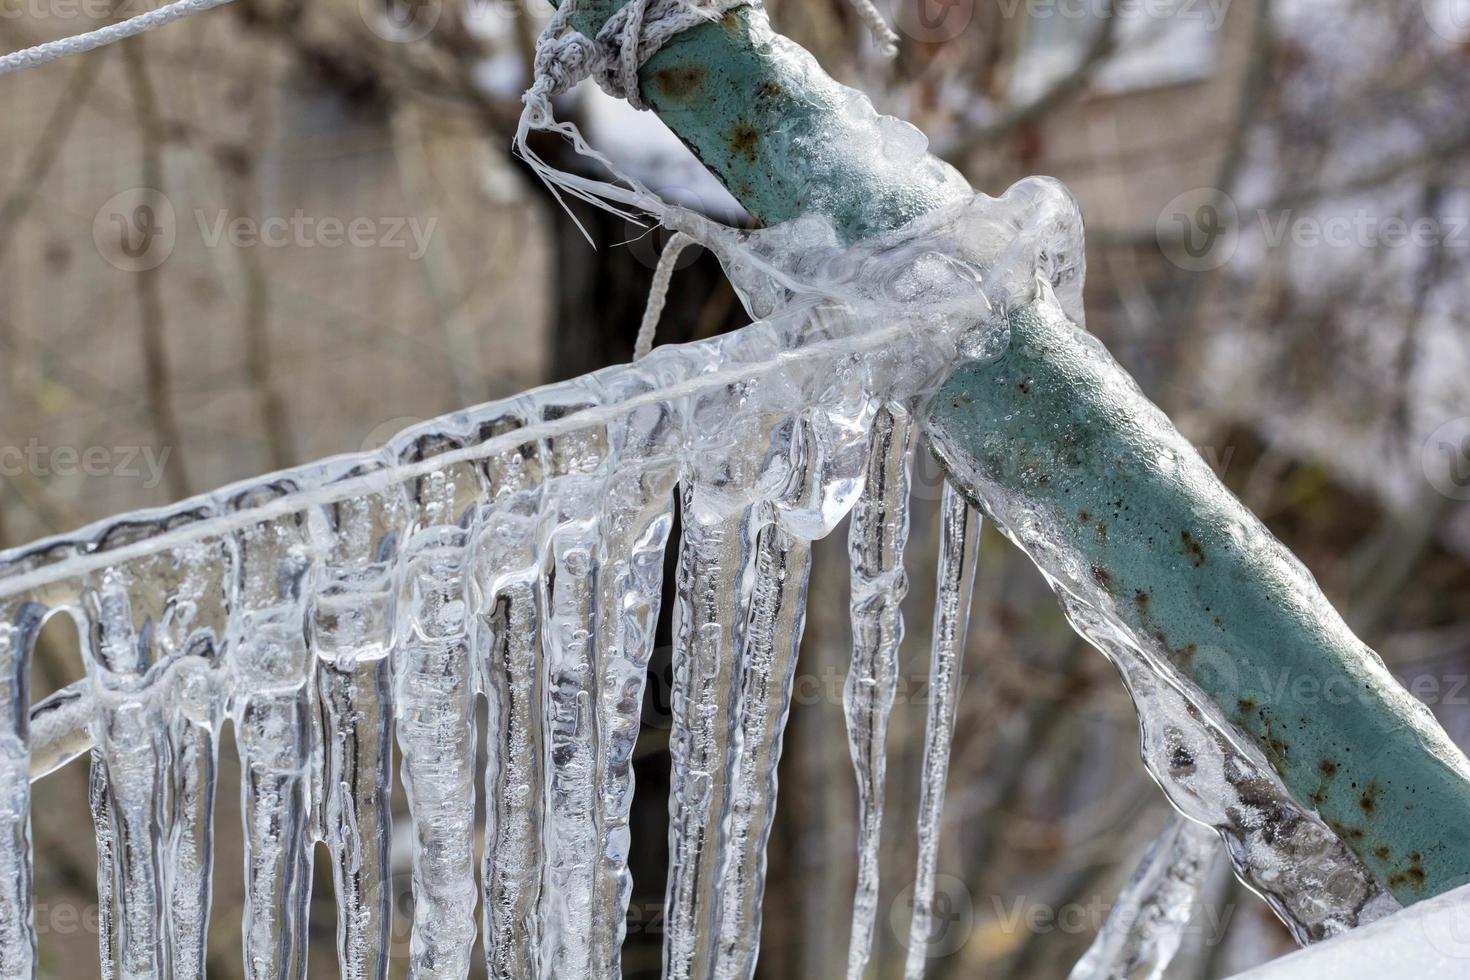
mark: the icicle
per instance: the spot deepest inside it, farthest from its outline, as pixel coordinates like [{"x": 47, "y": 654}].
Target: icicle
[
  {"x": 274, "y": 732},
  {"x": 773, "y": 627},
  {"x": 191, "y": 628},
  {"x": 507, "y": 644},
  {"x": 876, "y": 540},
  {"x": 97, "y": 796},
  {"x": 436, "y": 736},
  {"x": 20, "y": 624},
  {"x": 350, "y": 621},
  {"x": 131, "y": 734},
  {"x": 959, "y": 528},
  {"x": 189, "y": 864},
  {"x": 514, "y": 785},
  {"x": 635, "y": 524},
  {"x": 151, "y": 628},
  {"x": 1146, "y": 924},
  {"x": 712, "y": 557},
  {"x": 568, "y": 637}
]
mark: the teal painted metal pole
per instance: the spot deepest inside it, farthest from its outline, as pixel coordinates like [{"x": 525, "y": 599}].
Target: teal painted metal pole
[
  {"x": 1057, "y": 422},
  {"x": 1195, "y": 576}
]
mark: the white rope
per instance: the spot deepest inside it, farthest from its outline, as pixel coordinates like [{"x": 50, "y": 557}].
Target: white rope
[
  {"x": 663, "y": 274},
  {"x": 877, "y": 26},
  {"x": 91, "y": 40}
]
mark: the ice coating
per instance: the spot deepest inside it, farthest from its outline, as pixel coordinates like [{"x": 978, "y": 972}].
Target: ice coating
[
  {"x": 1146, "y": 924},
  {"x": 515, "y": 551},
  {"x": 1284, "y": 852}
]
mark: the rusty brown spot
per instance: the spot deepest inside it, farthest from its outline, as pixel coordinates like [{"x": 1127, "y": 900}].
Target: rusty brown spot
[
  {"x": 1023, "y": 387},
  {"x": 1245, "y": 706},
  {"x": 1192, "y": 549},
  {"x": 683, "y": 83},
  {"x": 1382, "y": 853},
  {"x": 1327, "y": 768},
  {"x": 1368, "y": 802},
  {"x": 745, "y": 141},
  {"x": 1413, "y": 876},
  {"x": 769, "y": 89},
  {"x": 1084, "y": 515},
  {"x": 1140, "y": 599},
  {"x": 1103, "y": 577}
]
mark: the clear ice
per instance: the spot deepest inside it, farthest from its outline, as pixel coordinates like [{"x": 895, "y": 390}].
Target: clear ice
[
  {"x": 1146, "y": 924},
  {"x": 515, "y": 552}
]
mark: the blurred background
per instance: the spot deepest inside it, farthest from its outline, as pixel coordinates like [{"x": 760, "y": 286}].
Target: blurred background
[{"x": 285, "y": 230}]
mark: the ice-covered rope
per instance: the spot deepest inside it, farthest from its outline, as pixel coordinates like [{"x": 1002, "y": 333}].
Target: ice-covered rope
[
  {"x": 663, "y": 274},
  {"x": 80, "y": 43}
]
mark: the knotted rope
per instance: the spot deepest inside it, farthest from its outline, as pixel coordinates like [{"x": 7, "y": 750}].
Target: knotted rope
[{"x": 623, "y": 45}]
